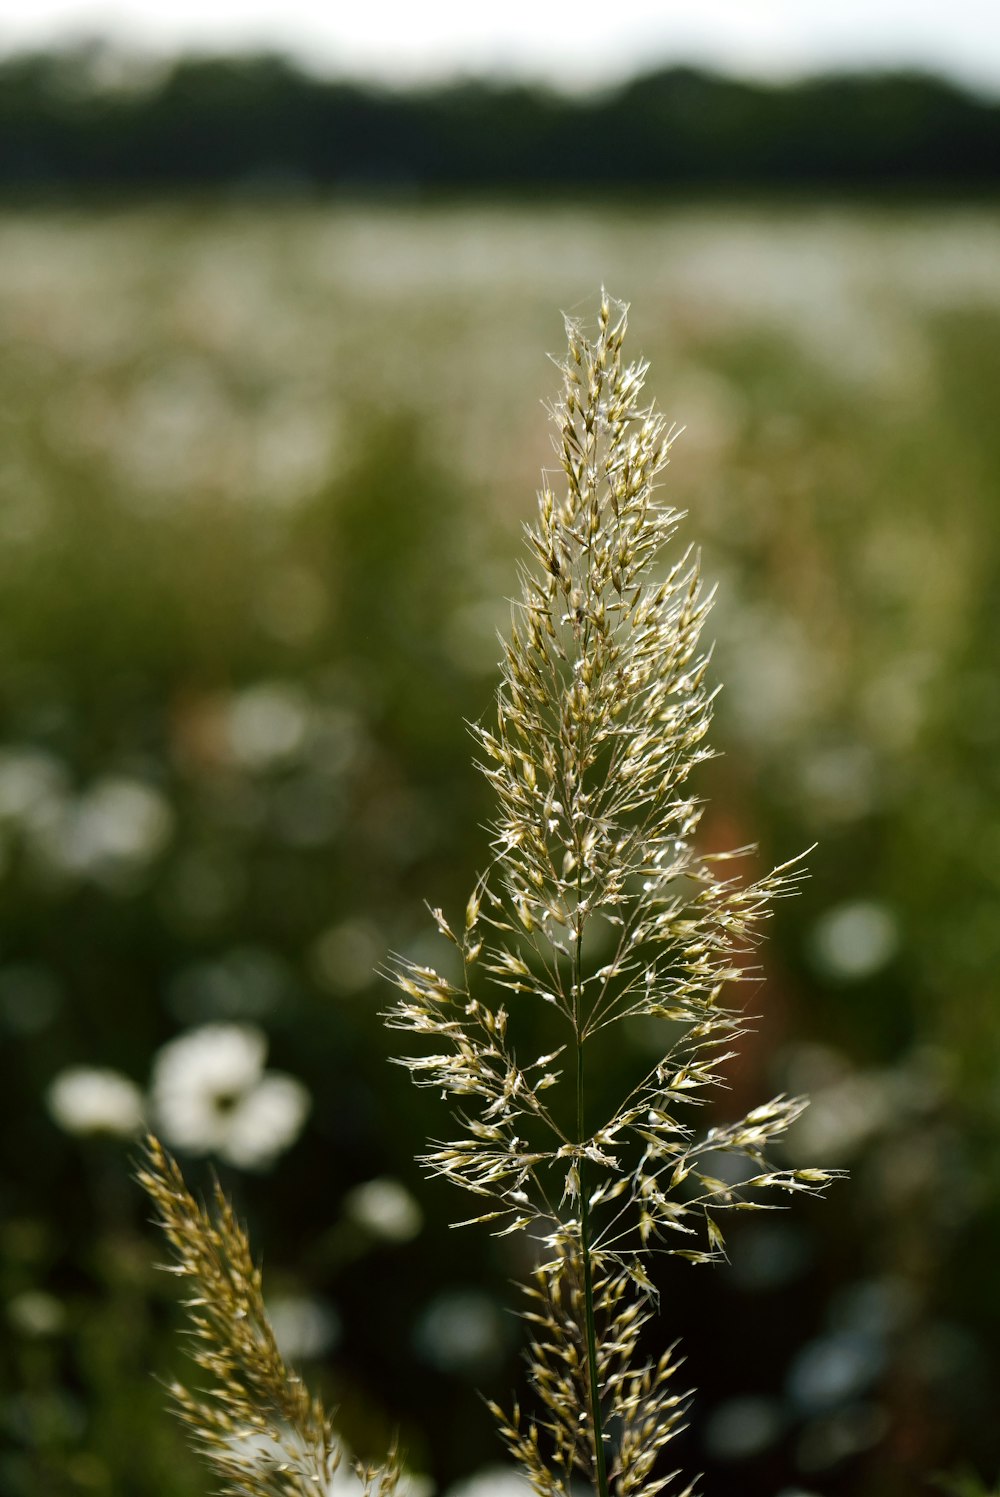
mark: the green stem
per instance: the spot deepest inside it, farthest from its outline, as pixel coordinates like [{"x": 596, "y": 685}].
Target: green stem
[{"x": 590, "y": 1327}]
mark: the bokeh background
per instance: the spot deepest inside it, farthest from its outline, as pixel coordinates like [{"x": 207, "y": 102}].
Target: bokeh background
[{"x": 272, "y": 366}]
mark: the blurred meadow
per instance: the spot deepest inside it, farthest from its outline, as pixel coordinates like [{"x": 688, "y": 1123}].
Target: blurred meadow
[{"x": 263, "y": 472}]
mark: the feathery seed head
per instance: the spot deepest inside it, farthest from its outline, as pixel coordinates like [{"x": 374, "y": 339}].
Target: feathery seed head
[{"x": 602, "y": 714}]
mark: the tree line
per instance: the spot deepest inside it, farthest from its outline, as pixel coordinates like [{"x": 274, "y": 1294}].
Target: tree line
[{"x": 70, "y": 121}]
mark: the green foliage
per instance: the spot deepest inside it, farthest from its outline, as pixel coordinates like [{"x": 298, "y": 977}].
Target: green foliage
[{"x": 965, "y": 1485}]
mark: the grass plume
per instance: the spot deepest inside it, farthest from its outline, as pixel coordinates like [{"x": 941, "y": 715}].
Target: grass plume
[{"x": 598, "y": 906}]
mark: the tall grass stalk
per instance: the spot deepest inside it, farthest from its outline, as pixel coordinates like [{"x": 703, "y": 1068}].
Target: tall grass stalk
[
  {"x": 597, "y": 906},
  {"x": 595, "y": 909}
]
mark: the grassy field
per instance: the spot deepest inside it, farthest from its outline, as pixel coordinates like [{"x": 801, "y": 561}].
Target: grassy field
[{"x": 262, "y": 477}]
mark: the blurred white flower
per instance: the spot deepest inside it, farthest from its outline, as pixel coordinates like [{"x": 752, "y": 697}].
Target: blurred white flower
[
  {"x": 83, "y": 1100},
  {"x": 460, "y": 1330},
  {"x": 283, "y": 1451},
  {"x": 741, "y": 1428},
  {"x": 492, "y": 1481},
  {"x": 303, "y": 1326},
  {"x": 412, "y": 1484},
  {"x": 266, "y": 1122},
  {"x": 834, "y": 1370},
  {"x": 842, "y": 1117},
  {"x": 384, "y": 1208},
  {"x": 123, "y": 821},
  {"x": 211, "y": 1095},
  {"x": 33, "y": 1312},
  {"x": 108, "y": 832},
  {"x": 855, "y": 940},
  {"x": 31, "y": 783},
  {"x": 841, "y": 783},
  {"x": 268, "y": 724},
  {"x": 345, "y": 1482},
  {"x": 112, "y": 830},
  {"x": 849, "y": 1109}
]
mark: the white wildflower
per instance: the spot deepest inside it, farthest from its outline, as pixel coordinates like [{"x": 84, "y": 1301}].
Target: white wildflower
[
  {"x": 211, "y": 1095},
  {"x": 741, "y": 1428},
  {"x": 87, "y": 1100},
  {"x": 303, "y": 1326},
  {"x": 114, "y": 829},
  {"x": 267, "y": 724},
  {"x": 33, "y": 1312},
  {"x": 384, "y": 1208},
  {"x": 492, "y": 1481},
  {"x": 123, "y": 821},
  {"x": 855, "y": 940},
  {"x": 345, "y": 1482},
  {"x": 32, "y": 782},
  {"x": 461, "y": 1330}
]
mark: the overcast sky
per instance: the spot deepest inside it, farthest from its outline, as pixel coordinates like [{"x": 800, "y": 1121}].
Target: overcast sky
[{"x": 572, "y": 42}]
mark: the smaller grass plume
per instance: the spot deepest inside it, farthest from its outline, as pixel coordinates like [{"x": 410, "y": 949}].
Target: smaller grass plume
[{"x": 254, "y": 1421}]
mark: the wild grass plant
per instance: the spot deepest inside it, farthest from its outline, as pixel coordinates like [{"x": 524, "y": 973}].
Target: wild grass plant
[{"x": 597, "y": 910}]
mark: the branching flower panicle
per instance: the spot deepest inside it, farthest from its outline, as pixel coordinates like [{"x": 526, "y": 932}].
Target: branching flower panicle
[{"x": 597, "y": 905}]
